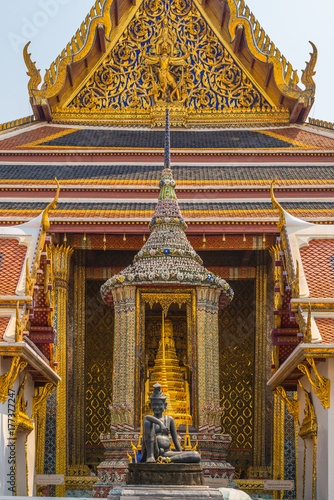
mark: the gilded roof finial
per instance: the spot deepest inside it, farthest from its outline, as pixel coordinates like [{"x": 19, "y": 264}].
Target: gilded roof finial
[
  {"x": 33, "y": 72},
  {"x": 308, "y": 72},
  {"x": 53, "y": 204},
  {"x": 275, "y": 203},
  {"x": 307, "y": 339}
]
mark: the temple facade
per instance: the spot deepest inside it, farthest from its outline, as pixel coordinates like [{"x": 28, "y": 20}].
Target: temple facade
[{"x": 228, "y": 298}]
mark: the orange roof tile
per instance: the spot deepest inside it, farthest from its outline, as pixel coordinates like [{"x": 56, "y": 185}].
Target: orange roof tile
[
  {"x": 12, "y": 257},
  {"x": 318, "y": 264},
  {"x": 30, "y": 136},
  {"x": 306, "y": 137},
  {"x": 3, "y": 325},
  {"x": 326, "y": 329}
]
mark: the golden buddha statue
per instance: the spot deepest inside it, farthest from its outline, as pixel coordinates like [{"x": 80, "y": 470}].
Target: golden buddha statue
[{"x": 172, "y": 377}]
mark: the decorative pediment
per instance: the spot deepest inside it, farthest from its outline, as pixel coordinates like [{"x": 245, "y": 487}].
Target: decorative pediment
[
  {"x": 167, "y": 54},
  {"x": 129, "y": 60}
]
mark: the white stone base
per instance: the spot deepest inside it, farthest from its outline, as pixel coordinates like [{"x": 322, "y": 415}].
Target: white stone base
[{"x": 164, "y": 493}]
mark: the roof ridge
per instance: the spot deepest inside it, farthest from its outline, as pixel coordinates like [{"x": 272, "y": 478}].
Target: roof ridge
[
  {"x": 321, "y": 123},
  {"x": 264, "y": 43},
  {"x": 78, "y": 41},
  {"x": 17, "y": 123}
]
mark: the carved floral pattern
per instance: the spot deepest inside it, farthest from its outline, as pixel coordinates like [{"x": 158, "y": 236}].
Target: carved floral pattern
[{"x": 207, "y": 78}]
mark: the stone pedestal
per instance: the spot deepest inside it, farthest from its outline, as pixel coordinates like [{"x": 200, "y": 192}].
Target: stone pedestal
[
  {"x": 145, "y": 492},
  {"x": 165, "y": 474},
  {"x": 213, "y": 447},
  {"x": 114, "y": 467}
]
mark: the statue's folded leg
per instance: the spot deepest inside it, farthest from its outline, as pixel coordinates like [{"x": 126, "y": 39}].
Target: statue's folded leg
[{"x": 186, "y": 457}]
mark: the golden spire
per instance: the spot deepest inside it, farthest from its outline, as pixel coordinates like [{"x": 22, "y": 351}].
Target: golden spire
[
  {"x": 53, "y": 204},
  {"x": 164, "y": 383},
  {"x": 168, "y": 373}
]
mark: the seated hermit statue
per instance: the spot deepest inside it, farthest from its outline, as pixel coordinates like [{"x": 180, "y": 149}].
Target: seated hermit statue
[{"x": 156, "y": 430}]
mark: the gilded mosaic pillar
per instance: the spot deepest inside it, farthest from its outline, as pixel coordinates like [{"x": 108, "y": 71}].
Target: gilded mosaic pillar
[
  {"x": 124, "y": 346},
  {"x": 207, "y": 348},
  {"x": 61, "y": 268},
  {"x": 278, "y": 442},
  {"x": 259, "y": 412},
  {"x": 78, "y": 430}
]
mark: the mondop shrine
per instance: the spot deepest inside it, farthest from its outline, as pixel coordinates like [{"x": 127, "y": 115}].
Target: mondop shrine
[{"x": 167, "y": 264}]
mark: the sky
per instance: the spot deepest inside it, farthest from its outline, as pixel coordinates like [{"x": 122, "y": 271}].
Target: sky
[{"x": 50, "y": 24}]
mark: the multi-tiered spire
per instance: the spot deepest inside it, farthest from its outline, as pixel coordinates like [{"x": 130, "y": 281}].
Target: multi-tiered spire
[{"x": 167, "y": 257}]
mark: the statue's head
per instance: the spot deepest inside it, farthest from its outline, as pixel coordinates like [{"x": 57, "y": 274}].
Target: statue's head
[
  {"x": 158, "y": 399},
  {"x": 164, "y": 49},
  {"x": 165, "y": 22}
]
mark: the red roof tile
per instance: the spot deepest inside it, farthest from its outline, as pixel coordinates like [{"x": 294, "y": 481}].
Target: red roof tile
[
  {"x": 30, "y": 136},
  {"x": 306, "y": 137},
  {"x": 326, "y": 329},
  {"x": 11, "y": 262},
  {"x": 318, "y": 264},
  {"x": 3, "y": 325}
]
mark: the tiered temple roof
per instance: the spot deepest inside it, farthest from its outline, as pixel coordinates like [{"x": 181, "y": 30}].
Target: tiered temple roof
[
  {"x": 27, "y": 297},
  {"x": 304, "y": 290},
  {"x": 108, "y": 175}
]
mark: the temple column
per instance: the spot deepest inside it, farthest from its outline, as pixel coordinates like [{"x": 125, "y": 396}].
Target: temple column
[
  {"x": 260, "y": 363},
  {"x": 61, "y": 257},
  {"x": 78, "y": 430},
  {"x": 39, "y": 416},
  {"x": 207, "y": 349},
  {"x": 124, "y": 346}
]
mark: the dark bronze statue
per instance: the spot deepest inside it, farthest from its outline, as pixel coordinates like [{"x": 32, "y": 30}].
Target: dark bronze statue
[{"x": 156, "y": 430}]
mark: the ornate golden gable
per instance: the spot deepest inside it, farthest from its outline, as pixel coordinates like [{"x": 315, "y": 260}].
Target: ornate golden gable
[
  {"x": 167, "y": 54},
  {"x": 168, "y": 51}
]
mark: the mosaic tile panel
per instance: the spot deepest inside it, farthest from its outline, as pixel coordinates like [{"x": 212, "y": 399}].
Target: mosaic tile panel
[
  {"x": 50, "y": 425},
  {"x": 79, "y": 493},
  {"x": 289, "y": 449},
  {"x": 70, "y": 367},
  {"x": 99, "y": 369},
  {"x": 50, "y": 434},
  {"x": 269, "y": 393},
  {"x": 236, "y": 364}
]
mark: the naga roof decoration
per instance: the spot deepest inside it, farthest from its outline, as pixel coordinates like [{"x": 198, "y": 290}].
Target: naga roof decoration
[
  {"x": 27, "y": 295},
  {"x": 303, "y": 298},
  {"x": 167, "y": 257},
  {"x": 214, "y": 63}
]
